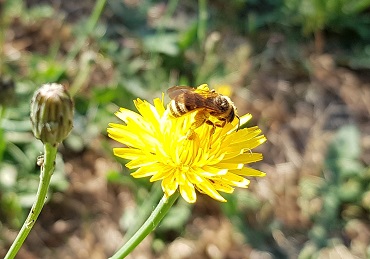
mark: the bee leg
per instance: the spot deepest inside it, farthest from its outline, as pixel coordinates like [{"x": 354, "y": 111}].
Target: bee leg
[
  {"x": 190, "y": 135},
  {"x": 199, "y": 119},
  {"x": 213, "y": 126},
  {"x": 213, "y": 129}
]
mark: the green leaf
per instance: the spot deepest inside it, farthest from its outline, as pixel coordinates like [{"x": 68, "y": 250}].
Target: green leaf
[
  {"x": 346, "y": 143},
  {"x": 350, "y": 191},
  {"x": 176, "y": 217},
  {"x": 11, "y": 209},
  {"x": 163, "y": 44},
  {"x": 187, "y": 38},
  {"x": 349, "y": 168},
  {"x": 2, "y": 144}
]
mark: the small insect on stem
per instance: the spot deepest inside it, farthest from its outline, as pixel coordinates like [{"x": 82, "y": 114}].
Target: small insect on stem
[
  {"x": 211, "y": 107},
  {"x": 40, "y": 160}
]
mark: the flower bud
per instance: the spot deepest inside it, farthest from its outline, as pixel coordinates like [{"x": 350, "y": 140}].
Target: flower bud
[{"x": 51, "y": 113}]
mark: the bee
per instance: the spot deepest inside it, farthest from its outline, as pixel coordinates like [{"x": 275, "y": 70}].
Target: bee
[{"x": 211, "y": 107}]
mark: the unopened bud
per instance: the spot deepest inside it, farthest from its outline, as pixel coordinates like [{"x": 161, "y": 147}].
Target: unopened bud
[{"x": 51, "y": 113}]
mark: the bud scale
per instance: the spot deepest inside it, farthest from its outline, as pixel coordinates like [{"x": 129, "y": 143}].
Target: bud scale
[{"x": 51, "y": 113}]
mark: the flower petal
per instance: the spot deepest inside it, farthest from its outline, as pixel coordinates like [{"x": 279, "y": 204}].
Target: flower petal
[
  {"x": 210, "y": 171},
  {"x": 124, "y": 114},
  {"x": 171, "y": 150},
  {"x": 158, "y": 104},
  {"x": 245, "y": 118},
  {"x": 128, "y": 153},
  {"x": 245, "y": 158},
  {"x": 125, "y": 136},
  {"x": 169, "y": 185},
  {"x": 187, "y": 191},
  {"x": 165, "y": 172},
  {"x": 230, "y": 165},
  {"x": 222, "y": 186},
  {"x": 141, "y": 161},
  {"x": 207, "y": 188},
  {"x": 145, "y": 171},
  {"x": 234, "y": 180},
  {"x": 247, "y": 171}
]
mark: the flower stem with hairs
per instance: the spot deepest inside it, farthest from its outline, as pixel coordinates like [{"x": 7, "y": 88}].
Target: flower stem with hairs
[
  {"x": 47, "y": 169},
  {"x": 150, "y": 224},
  {"x": 51, "y": 119}
]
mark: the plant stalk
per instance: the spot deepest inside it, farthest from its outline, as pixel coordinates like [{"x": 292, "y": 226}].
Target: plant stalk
[
  {"x": 47, "y": 169},
  {"x": 150, "y": 224}
]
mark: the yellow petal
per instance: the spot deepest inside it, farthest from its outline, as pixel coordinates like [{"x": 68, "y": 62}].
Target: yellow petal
[
  {"x": 247, "y": 171},
  {"x": 222, "y": 187},
  {"x": 128, "y": 153},
  {"x": 210, "y": 171},
  {"x": 241, "y": 136},
  {"x": 233, "y": 179},
  {"x": 245, "y": 158},
  {"x": 194, "y": 176},
  {"x": 146, "y": 171},
  {"x": 164, "y": 172},
  {"x": 142, "y": 161},
  {"x": 230, "y": 166},
  {"x": 207, "y": 188},
  {"x": 148, "y": 112},
  {"x": 129, "y": 137},
  {"x": 124, "y": 136},
  {"x": 187, "y": 191},
  {"x": 158, "y": 104},
  {"x": 124, "y": 114},
  {"x": 245, "y": 145},
  {"x": 245, "y": 118},
  {"x": 169, "y": 185}
]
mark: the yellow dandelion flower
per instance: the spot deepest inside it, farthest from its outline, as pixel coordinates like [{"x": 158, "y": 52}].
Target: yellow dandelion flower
[{"x": 157, "y": 145}]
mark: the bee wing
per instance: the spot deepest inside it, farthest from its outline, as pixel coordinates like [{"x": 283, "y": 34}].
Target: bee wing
[
  {"x": 195, "y": 98},
  {"x": 209, "y": 98},
  {"x": 204, "y": 100},
  {"x": 177, "y": 90},
  {"x": 210, "y": 105}
]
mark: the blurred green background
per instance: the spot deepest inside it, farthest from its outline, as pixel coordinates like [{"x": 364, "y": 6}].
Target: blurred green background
[{"x": 302, "y": 68}]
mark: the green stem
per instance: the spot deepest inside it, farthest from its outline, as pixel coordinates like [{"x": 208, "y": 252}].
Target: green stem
[
  {"x": 157, "y": 215},
  {"x": 46, "y": 172},
  {"x": 91, "y": 24},
  {"x": 144, "y": 211},
  {"x": 202, "y": 24}
]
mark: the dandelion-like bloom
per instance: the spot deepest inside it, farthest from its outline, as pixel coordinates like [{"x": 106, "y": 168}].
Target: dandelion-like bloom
[{"x": 158, "y": 146}]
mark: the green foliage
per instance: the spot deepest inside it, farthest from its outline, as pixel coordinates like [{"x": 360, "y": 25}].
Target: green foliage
[
  {"x": 333, "y": 15},
  {"x": 19, "y": 174},
  {"x": 341, "y": 191},
  {"x": 145, "y": 58},
  {"x": 177, "y": 218},
  {"x": 48, "y": 69},
  {"x": 251, "y": 216}
]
